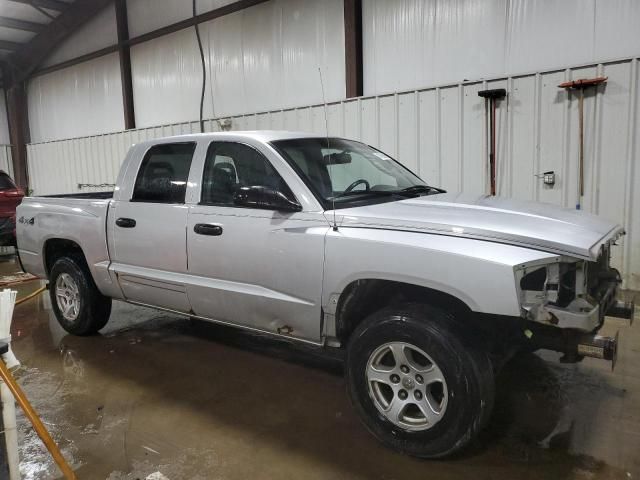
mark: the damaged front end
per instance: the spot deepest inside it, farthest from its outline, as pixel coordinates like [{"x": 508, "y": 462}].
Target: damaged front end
[{"x": 564, "y": 304}]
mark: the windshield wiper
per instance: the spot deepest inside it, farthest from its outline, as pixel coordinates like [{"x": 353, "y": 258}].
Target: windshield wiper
[
  {"x": 419, "y": 189},
  {"x": 385, "y": 193}
]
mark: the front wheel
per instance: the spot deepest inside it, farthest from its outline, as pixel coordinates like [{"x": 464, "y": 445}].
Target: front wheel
[
  {"x": 417, "y": 385},
  {"x": 77, "y": 303}
]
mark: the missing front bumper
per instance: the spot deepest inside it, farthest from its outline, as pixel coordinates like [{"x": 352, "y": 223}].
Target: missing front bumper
[{"x": 584, "y": 313}]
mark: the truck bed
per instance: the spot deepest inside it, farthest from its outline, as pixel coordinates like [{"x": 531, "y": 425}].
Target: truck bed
[
  {"x": 80, "y": 218},
  {"x": 85, "y": 195}
]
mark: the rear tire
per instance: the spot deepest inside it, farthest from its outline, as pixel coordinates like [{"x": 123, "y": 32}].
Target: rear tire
[
  {"x": 444, "y": 383},
  {"x": 76, "y": 301}
]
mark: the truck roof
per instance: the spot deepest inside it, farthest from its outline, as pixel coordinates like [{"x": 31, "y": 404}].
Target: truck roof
[{"x": 259, "y": 135}]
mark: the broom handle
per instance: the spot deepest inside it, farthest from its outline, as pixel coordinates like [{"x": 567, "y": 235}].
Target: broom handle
[
  {"x": 581, "y": 128},
  {"x": 36, "y": 422}
]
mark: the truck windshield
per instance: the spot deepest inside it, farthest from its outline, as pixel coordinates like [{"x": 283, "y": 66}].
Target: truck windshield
[{"x": 346, "y": 172}]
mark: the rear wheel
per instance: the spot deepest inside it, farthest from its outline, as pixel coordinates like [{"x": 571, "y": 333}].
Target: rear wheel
[
  {"x": 418, "y": 386},
  {"x": 77, "y": 303}
]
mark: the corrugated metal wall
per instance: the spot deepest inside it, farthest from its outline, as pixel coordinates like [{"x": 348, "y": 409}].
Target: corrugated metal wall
[
  {"x": 81, "y": 100},
  {"x": 409, "y": 43},
  {"x": 148, "y": 15},
  {"x": 440, "y": 133},
  {"x": 260, "y": 58}
]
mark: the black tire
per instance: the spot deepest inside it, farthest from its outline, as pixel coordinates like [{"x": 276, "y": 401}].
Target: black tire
[
  {"x": 94, "y": 309},
  {"x": 466, "y": 369}
]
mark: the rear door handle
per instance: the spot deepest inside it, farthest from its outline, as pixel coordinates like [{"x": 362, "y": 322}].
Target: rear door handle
[
  {"x": 126, "y": 222},
  {"x": 206, "y": 229}
]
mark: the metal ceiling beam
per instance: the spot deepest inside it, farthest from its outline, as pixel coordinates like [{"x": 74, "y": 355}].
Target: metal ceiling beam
[
  {"x": 6, "y": 45},
  {"x": 56, "y": 5},
  {"x": 21, "y": 24},
  {"x": 30, "y": 55}
]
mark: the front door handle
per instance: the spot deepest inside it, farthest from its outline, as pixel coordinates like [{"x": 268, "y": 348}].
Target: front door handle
[
  {"x": 206, "y": 229},
  {"x": 126, "y": 222}
]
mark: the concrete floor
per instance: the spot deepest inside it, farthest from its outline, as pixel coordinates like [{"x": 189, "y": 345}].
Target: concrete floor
[{"x": 156, "y": 393}]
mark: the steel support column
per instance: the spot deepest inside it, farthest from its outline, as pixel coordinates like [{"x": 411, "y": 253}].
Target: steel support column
[
  {"x": 353, "y": 47},
  {"x": 124, "y": 53},
  {"x": 18, "y": 119}
]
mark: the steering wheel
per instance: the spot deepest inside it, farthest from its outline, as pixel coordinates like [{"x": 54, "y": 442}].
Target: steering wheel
[{"x": 360, "y": 181}]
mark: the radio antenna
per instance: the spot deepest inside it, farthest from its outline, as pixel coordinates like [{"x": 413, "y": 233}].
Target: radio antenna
[{"x": 326, "y": 131}]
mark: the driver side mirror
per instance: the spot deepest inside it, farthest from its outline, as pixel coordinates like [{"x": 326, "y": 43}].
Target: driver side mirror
[{"x": 258, "y": 196}]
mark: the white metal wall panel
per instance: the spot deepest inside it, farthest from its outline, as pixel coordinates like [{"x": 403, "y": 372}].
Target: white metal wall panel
[
  {"x": 260, "y": 58},
  {"x": 81, "y": 100},
  {"x": 147, "y": 15},
  {"x": 441, "y": 134},
  {"x": 97, "y": 33},
  {"x": 167, "y": 79},
  {"x": 417, "y": 43}
]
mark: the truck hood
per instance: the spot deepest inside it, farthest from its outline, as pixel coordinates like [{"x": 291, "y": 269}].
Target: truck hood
[{"x": 540, "y": 226}]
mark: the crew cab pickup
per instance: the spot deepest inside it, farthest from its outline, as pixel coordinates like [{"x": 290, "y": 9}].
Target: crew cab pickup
[{"x": 331, "y": 242}]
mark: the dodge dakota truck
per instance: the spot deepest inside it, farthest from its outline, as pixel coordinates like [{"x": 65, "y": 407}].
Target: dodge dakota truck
[{"x": 331, "y": 242}]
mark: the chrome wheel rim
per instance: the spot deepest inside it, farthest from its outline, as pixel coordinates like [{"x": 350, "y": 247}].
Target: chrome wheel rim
[
  {"x": 406, "y": 386},
  {"x": 67, "y": 297}
]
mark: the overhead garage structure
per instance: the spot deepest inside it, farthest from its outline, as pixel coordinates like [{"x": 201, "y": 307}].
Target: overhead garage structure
[
  {"x": 402, "y": 76},
  {"x": 535, "y": 100}
]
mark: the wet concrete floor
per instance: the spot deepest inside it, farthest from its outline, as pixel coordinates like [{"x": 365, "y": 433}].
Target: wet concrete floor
[{"x": 157, "y": 393}]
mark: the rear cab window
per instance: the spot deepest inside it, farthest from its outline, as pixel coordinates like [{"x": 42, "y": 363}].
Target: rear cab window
[{"x": 163, "y": 174}]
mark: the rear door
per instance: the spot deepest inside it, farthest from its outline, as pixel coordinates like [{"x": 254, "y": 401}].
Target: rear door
[{"x": 147, "y": 229}]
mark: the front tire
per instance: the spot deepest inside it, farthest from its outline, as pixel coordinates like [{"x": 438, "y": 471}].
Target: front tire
[
  {"x": 76, "y": 301},
  {"x": 416, "y": 383}
]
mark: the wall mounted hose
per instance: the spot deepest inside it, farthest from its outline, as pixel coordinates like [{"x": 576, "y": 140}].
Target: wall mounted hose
[{"x": 204, "y": 69}]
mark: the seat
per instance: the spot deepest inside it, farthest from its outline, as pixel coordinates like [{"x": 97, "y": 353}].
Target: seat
[{"x": 221, "y": 184}]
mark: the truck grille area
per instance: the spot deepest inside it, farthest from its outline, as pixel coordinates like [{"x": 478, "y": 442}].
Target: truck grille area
[{"x": 598, "y": 279}]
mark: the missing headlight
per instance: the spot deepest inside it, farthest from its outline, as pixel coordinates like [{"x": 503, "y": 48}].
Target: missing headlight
[{"x": 535, "y": 280}]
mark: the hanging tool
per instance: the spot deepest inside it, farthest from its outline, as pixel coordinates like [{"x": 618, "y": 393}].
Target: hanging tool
[
  {"x": 30, "y": 413},
  {"x": 491, "y": 98},
  {"x": 580, "y": 85}
]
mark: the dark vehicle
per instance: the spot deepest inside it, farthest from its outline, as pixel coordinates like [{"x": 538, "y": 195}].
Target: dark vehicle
[{"x": 10, "y": 198}]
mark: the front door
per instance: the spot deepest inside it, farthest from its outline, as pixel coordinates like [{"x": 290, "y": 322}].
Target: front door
[
  {"x": 253, "y": 267},
  {"x": 148, "y": 249}
]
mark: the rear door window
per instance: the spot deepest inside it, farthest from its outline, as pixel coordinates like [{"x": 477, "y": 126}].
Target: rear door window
[{"x": 163, "y": 174}]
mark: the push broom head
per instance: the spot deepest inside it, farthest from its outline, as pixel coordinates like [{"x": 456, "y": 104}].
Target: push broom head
[
  {"x": 493, "y": 93},
  {"x": 583, "y": 83}
]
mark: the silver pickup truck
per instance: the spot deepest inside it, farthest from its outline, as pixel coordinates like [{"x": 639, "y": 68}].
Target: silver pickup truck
[{"x": 331, "y": 242}]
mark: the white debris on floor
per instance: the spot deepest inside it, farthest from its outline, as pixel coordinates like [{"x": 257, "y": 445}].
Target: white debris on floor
[{"x": 156, "y": 476}]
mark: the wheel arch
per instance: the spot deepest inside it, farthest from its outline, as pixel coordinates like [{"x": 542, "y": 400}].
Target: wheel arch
[
  {"x": 55, "y": 248},
  {"x": 362, "y": 297}
]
